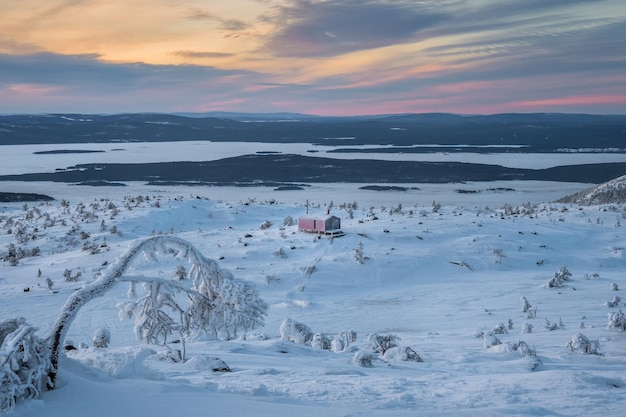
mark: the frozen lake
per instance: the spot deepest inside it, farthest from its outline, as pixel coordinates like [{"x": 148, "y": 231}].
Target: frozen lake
[{"x": 22, "y": 159}]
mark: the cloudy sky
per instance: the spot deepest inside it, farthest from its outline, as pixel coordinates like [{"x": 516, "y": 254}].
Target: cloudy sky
[{"x": 328, "y": 57}]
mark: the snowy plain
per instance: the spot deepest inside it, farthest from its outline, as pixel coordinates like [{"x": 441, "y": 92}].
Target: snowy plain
[{"x": 436, "y": 279}]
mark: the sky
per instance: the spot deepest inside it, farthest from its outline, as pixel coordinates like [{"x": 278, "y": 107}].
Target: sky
[{"x": 337, "y": 57}]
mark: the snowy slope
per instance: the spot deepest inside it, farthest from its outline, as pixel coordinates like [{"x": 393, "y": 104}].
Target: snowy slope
[
  {"x": 437, "y": 280},
  {"x": 613, "y": 191}
]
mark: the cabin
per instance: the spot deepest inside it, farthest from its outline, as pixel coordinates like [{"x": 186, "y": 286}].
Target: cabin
[{"x": 330, "y": 225}]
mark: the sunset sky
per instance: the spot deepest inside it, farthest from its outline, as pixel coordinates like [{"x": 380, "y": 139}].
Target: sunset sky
[{"x": 336, "y": 57}]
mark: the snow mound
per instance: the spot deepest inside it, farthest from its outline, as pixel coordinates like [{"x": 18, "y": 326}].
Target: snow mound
[{"x": 117, "y": 363}]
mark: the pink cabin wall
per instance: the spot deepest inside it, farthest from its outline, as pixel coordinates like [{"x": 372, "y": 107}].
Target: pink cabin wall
[{"x": 311, "y": 224}]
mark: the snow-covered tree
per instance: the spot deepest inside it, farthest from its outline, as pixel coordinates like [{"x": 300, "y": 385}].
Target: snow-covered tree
[
  {"x": 359, "y": 256},
  {"x": 216, "y": 302},
  {"x": 560, "y": 276},
  {"x": 24, "y": 363}
]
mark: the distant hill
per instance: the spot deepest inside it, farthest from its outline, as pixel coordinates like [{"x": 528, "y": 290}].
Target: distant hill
[
  {"x": 540, "y": 132},
  {"x": 23, "y": 197},
  {"x": 611, "y": 192}
]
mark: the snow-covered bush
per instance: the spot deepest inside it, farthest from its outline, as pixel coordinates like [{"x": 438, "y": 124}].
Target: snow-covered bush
[
  {"x": 555, "y": 325},
  {"x": 321, "y": 341},
  {"x": 617, "y": 320},
  {"x": 24, "y": 363},
  {"x": 381, "y": 343},
  {"x": 265, "y": 225},
  {"x": 560, "y": 276},
  {"x": 527, "y": 328},
  {"x": 525, "y": 305},
  {"x": 526, "y": 351},
  {"x": 280, "y": 252},
  {"x": 500, "y": 329},
  {"x": 363, "y": 359},
  {"x": 288, "y": 221},
  {"x": 342, "y": 341},
  {"x": 404, "y": 354},
  {"x": 490, "y": 339},
  {"x": 581, "y": 344},
  {"x": 293, "y": 331},
  {"x": 101, "y": 338},
  {"x": 523, "y": 348},
  {"x": 614, "y": 302},
  {"x": 67, "y": 275}
]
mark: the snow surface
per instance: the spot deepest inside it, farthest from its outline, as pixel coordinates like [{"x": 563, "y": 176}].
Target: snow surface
[{"x": 434, "y": 279}]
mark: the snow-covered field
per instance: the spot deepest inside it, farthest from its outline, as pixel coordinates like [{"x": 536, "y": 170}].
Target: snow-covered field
[{"x": 436, "y": 279}]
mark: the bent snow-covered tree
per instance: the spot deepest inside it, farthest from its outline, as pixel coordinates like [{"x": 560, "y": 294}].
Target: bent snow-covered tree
[{"x": 215, "y": 302}]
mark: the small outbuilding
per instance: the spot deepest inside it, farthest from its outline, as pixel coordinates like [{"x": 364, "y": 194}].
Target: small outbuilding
[{"x": 330, "y": 225}]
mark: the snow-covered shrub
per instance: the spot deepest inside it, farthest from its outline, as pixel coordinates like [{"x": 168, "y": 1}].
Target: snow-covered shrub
[
  {"x": 342, "y": 341},
  {"x": 554, "y": 326},
  {"x": 67, "y": 275},
  {"x": 525, "y": 305},
  {"x": 381, "y": 343},
  {"x": 614, "y": 302},
  {"x": 293, "y": 331},
  {"x": 581, "y": 344},
  {"x": 402, "y": 354},
  {"x": 288, "y": 221},
  {"x": 280, "y": 252},
  {"x": 592, "y": 276},
  {"x": 614, "y": 286},
  {"x": 560, "y": 276},
  {"x": 337, "y": 345},
  {"x": 14, "y": 253},
  {"x": 363, "y": 359},
  {"x": 617, "y": 320},
  {"x": 24, "y": 363},
  {"x": 500, "y": 329},
  {"x": 527, "y": 328},
  {"x": 101, "y": 338},
  {"x": 490, "y": 339},
  {"x": 526, "y": 351},
  {"x": 358, "y": 253},
  {"x": 265, "y": 225},
  {"x": 523, "y": 348},
  {"x": 321, "y": 341}
]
